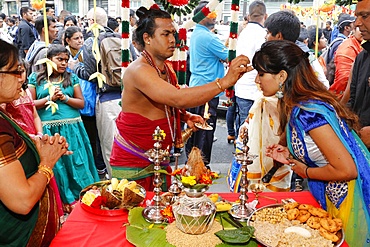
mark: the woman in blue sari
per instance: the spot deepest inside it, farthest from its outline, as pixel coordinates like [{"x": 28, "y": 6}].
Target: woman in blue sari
[{"x": 322, "y": 144}]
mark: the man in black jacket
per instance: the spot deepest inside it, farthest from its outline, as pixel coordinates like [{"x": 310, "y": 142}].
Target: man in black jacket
[
  {"x": 359, "y": 88},
  {"x": 26, "y": 33}
]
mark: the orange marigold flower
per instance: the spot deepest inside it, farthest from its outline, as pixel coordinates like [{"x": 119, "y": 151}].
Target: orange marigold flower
[
  {"x": 176, "y": 172},
  {"x": 206, "y": 179},
  {"x": 168, "y": 214}
]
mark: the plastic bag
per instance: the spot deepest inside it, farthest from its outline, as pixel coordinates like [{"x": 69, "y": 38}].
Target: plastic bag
[{"x": 89, "y": 92}]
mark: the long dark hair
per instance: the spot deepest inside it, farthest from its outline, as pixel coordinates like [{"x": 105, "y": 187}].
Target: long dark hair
[
  {"x": 146, "y": 23},
  {"x": 54, "y": 50},
  {"x": 301, "y": 84}
]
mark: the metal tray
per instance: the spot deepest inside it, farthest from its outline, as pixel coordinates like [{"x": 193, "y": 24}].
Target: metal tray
[{"x": 337, "y": 244}]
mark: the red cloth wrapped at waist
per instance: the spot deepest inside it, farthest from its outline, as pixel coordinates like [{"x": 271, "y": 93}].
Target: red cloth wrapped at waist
[{"x": 137, "y": 130}]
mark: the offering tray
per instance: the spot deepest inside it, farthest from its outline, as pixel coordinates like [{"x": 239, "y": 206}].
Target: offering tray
[
  {"x": 117, "y": 211},
  {"x": 340, "y": 233},
  {"x": 204, "y": 126}
]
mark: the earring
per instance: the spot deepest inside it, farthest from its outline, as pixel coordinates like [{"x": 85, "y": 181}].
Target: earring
[
  {"x": 148, "y": 43},
  {"x": 279, "y": 94}
]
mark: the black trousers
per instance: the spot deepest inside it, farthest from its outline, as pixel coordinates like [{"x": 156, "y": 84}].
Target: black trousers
[{"x": 203, "y": 139}]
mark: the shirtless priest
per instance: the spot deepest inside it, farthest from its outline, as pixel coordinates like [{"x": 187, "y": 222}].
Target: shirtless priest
[{"x": 152, "y": 97}]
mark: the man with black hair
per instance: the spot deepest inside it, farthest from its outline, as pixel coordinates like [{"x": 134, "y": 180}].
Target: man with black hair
[
  {"x": 345, "y": 28},
  {"x": 359, "y": 87},
  {"x": 327, "y": 31},
  {"x": 50, "y": 12},
  {"x": 26, "y": 33},
  {"x": 285, "y": 25},
  {"x": 249, "y": 41},
  {"x": 207, "y": 57},
  {"x": 38, "y": 49}
]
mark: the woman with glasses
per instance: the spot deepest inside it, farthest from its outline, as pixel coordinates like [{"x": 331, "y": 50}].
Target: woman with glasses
[
  {"x": 23, "y": 110},
  {"x": 28, "y": 213}
]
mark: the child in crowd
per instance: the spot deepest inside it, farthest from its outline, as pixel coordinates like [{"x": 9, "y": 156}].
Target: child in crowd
[{"x": 58, "y": 98}]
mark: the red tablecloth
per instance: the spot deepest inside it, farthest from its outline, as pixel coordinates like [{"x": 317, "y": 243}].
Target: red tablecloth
[{"x": 83, "y": 228}]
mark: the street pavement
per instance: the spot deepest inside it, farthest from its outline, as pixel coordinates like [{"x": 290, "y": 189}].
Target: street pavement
[{"x": 222, "y": 155}]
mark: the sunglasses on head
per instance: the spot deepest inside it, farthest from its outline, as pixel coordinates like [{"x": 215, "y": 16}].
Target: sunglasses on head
[{"x": 19, "y": 71}]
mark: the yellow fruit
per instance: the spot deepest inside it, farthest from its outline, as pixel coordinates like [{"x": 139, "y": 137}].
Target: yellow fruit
[
  {"x": 88, "y": 198},
  {"x": 122, "y": 184},
  {"x": 114, "y": 182},
  {"x": 131, "y": 185},
  {"x": 223, "y": 206},
  {"x": 213, "y": 197}
]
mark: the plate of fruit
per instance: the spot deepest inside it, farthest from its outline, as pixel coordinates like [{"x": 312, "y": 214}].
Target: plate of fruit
[{"x": 112, "y": 197}]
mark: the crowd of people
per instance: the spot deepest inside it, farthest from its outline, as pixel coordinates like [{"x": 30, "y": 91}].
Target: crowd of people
[{"x": 62, "y": 131}]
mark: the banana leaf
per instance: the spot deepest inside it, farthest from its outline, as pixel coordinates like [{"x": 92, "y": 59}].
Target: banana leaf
[{"x": 143, "y": 234}]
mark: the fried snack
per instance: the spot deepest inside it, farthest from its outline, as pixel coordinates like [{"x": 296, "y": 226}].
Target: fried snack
[
  {"x": 319, "y": 212},
  {"x": 293, "y": 213},
  {"x": 303, "y": 216},
  {"x": 195, "y": 165},
  {"x": 291, "y": 205},
  {"x": 313, "y": 222},
  {"x": 328, "y": 235},
  {"x": 328, "y": 224},
  {"x": 339, "y": 223},
  {"x": 304, "y": 207}
]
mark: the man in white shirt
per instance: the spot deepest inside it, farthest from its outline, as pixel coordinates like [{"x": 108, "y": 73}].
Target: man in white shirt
[{"x": 250, "y": 40}]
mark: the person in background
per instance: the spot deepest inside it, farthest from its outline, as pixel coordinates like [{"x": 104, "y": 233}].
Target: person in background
[
  {"x": 359, "y": 93},
  {"x": 74, "y": 41},
  {"x": 322, "y": 41},
  {"x": 38, "y": 49},
  {"x": 75, "y": 172},
  {"x": 344, "y": 59},
  {"x": 60, "y": 25},
  {"x": 207, "y": 55},
  {"x": 113, "y": 24},
  {"x": 50, "y": 12},
  {"x": 12, "y": 27},
  {"x": 107, "y": 105},
  {"x": 70, "y": 21},
  {"x": 285, "y": 25},
  {"x": 327, "y": 31},
  {"x": 249, "y": 41},
  {"x": 27, "y": 33},
  {"x": 25, "y": 168},
  {"x": 4, "y": 35},
  {"x": 151, "y": 96},
  {"x": 338, "y": 171}
]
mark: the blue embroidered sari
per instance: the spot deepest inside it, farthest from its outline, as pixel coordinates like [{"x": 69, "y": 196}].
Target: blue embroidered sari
[{"x": 348, "y": 200}]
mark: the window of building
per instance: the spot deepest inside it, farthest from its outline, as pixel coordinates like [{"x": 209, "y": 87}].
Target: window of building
[{"x": 101, "y": 3}]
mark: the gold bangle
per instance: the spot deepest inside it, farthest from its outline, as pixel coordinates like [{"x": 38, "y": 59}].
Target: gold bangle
[
  {"x": 45, "y": 174},
  {"x": 218, "y": 84},
  {"x": 47, "y": 171}
]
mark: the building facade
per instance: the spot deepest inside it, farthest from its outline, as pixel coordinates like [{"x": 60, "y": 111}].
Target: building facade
[{"x": 113, "y": 7}]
